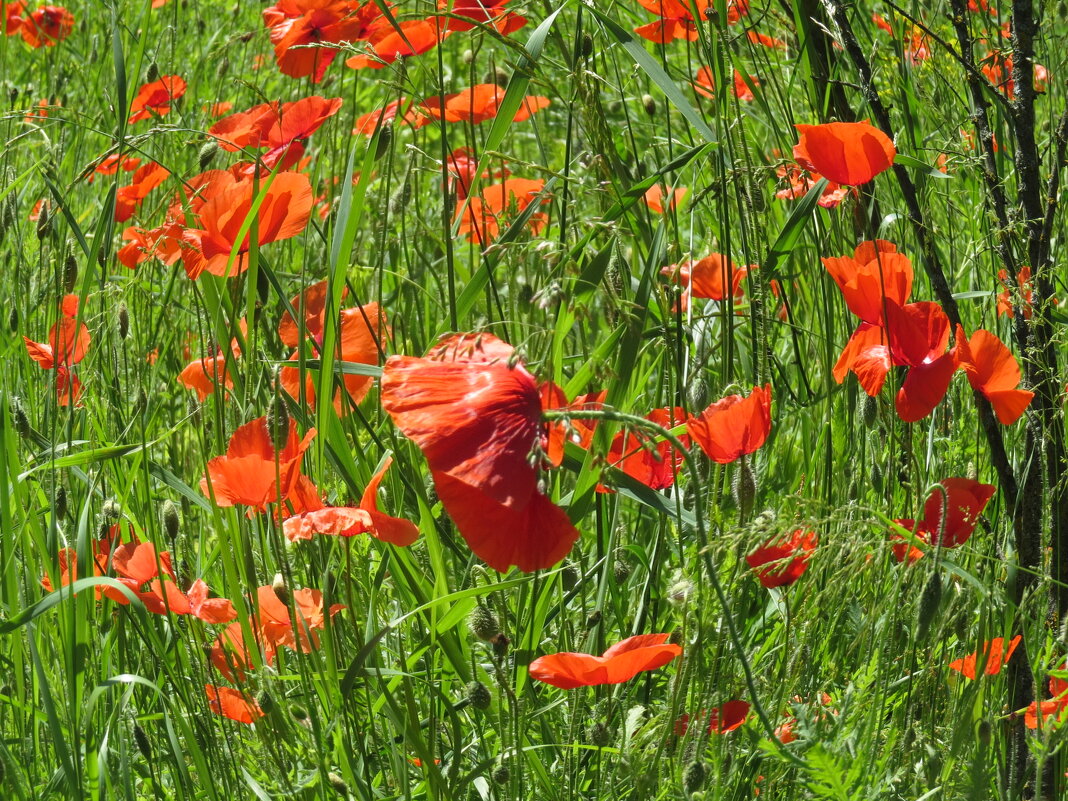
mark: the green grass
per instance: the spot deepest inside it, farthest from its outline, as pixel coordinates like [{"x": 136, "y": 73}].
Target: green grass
[{"x": 99, "y": 700}]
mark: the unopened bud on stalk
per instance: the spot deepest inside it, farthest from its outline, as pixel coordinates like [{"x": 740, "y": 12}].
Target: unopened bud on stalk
[
  {"x": 478, "y": 695},
  {"x": 649, "y": 105},
  {"x": 620, "y": 571},
  {"x": 19, "y": 418},
  {"x": 743, "y": 488},
  {"x": 569, "y": 575},
  {"x": 468, "y": 56},
  {"x": 385, "y": 139},
  {"x": 597, "y": 734},
  {"x": 697, "y": 393},
  {"x": 693, "y": 777},
  {"x": 70, "y": 271},
  {"x": 207, "y": 153},
  {"x": 501, "y": 774},
  {"x": 869, "y": 410},
  {"x": 586, "y": 46},
  {"x": 265, "y": 701},
  {"x": 281, "y": 591},
  {"x": 13, "y": 319},
  {"x": 172, "y": 523},
  {"x": 339, "y": 785},
  {"x": 123, "y": 320},
  {"x": 930, "y": 600},
  {"x": 111, "y": 510},
  {"x": 59, "y": 502},
  {"x": 44, "y": 220},
  {"x": 153, "y": 72},
  {"x": 483, "y": 623},
  {"x": 984, "y": 733},
  {"x": 143, "y": 745},
  {"x": 300, "y": 715},
  {"x": 278, "y": 422},
  {"x": 500, "y": 645}
]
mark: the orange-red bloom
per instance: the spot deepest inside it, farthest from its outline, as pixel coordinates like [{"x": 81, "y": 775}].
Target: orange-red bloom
[
  {"x": 620, "y": 663},
  {"x": 155, "y": 98},
  {"x": 476, "y": 415},
  {"x": 46, "y": 27},
  {"x": 849, "y": 153},
  {"x": 303, "y": 30},
  {"x": 486, "y": 213},
  {"x": 992, "y": 657},
  {"x": 387, "y": 45},
  {"x": 1054, "y": 710},
  {"x": 992, "y": 370},
  {"x": 476, "y": 104},
  {"x": 780, "y": 562},
  {"x": 129, "y": 198},
  {"x": 706, "y": 278},
  {"x": 705, "y": 85},
  {"x": 246, "y": 475},
  {"x": 654, "y": 198},
  {"x": 230, "y": 703},
  {"x": 733, "y": 426},
  {"x": 677, "y": 19},
  {"x": 638, "y": 455},
  {"x": 486, "y": 12},
  {"x": 964, "y": 500},
  {"x": 283, "y": 128}
]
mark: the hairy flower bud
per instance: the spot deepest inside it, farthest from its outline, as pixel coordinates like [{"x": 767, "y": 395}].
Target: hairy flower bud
[
  {"x": 478, "y": 695},
  {"x": 930, "y": 600},
  {"x": 281, "y": 591},
  {"x": 483, "y": 623},
  {"x": 122, "y": 318},
  {"x": 693, "y": 777},
  {"x": 19, "y": 418},
  {"x": 172, "y": 523},
  {"x": 744, "y": 488}
]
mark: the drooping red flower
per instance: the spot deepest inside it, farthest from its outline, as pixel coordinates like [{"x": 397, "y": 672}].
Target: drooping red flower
[
  {"x": 387, "y": 44},
  {"x": 246, "y": 475},
  {"x": 47, "y": 26},
  {"x": 992, "y": 370},
  {"x": 486, "y": 213},
  {"x": 155, "y": 98},
  {"x": 475, "y": 413},
  {"x": 637, "y": 454},
  {"x": 230, "y": 703},
  {"x": 993, "y": 656},
  {"x": 620, "y": 663},
  {"x": 283, "y": 128},
  {"x": 476, "y": 104},
  {"x": 733, "y": 426},
  {"x": 849, "y": 153},
  {"x": 1053, "y": 711},
  {"x": 144, "y": 180},
  {"x": 781, "y": 562},
  {"x": 964, "y": 501}
]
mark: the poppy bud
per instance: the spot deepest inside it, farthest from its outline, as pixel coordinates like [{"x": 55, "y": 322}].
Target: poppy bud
[
  {"x": 281, "y": 591},
  {"x": 59, "y": 502},
  {"x": 501, "y": 774},
  {"x": 971, "y": 472},
  {"x": 44, "y": 220},
  {"x": 339, "y": 785},
  {"x": 478, "y": 695},
  {"x": 207, "y": 153},
  {"x": 869, "y": 410},
  {"x": 266, "y": 703},
  {"x": 123, "y": 319},
  {"x": 984, "y": 733},
  {"x": 19, "y": 418},
  {"x": 278, "y": 422},
  {"x": 102, "y": 258},
  {"x": 385, "y": 139},
  {"x": 697, "y": 395},
  {"x": 153, "y": 72},
  {"x": 929, "y": 603},
  {"x": 597, "y": 734},
  {"x": 70, "y": 272},
  {"x": 586, "y": 46},
  {"x": 500, "y": 77},
  {"x": 743, "y": 488},
  {"x": 693, "y": 777},
  {"x": 300, "y": 715},
  {"x": 13, "y": 319},
  {"x": 468, "y": 56},
  {"x": 620, "y": 571},
  {"x": 401, "y": 198},
  {"x": 483, "y": 623},
  {"x": 594, "y": 619},
  {"x": 569, "y": 575},
  {"x": 676, "y": 637},
  {"x": 111, "y": 510},
  {"x": 649, "y": 105},
  {"x": 143, "y": 745},
  {"x": 224, "y": 67},
  {"x": 877, "y": 477},
  {"x": 500, "y": 645}
]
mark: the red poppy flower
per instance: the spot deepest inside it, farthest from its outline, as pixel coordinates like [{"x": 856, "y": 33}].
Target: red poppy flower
[
  {"x": 137, "y": 564},
  {"x": 997, "y": 67},
  {"x": 113, "y": 163},
  {"x": 706, "y": 278},
  {"x": 677, "y": 19},
  {"x": 348, "y": 521},
  {"x": 486, "y": 12},
  {"x": 799, "y": 182},
  {"x": 155, "y": 98},
  {"x": 992, "y": 370},
  {"x": 992, "y": 657},
  {"x": 728, "y": 717},
  {"x": 283, "y": 213},
  {"x": 638, "y": 455},
  {"x": 476, "y": 415},
  {"x": 387, "y": 44},
  {"x": 129, "y": 198},
  {"x": 367, "y": 124},
  {"x": 779, "y": 563},
  {"x": 849, "y": 153},
  {"x": 876, "y": 272},
  {"x": 486, "y": 213},
  {"x": 232, "y": 704},
  {"x": 620, "y": 663},
  {"x": 477, "y": 104},
  {"x": 246, "y": 475},
  {"x": 964, "y": 501},
  {"x": 13, "y": 11},
  {"x": 206, "y": 374},
  {"x": 232, "y": 656},
  {"x": 654, "y": 198},
  {"x": 297, "y": 26},
  {"x": 763, "y": 39},
  {"x": 733, "y": 426},
  {"x": 461, "y": 166},
  {"x": 705, "y": 85},
  {"x": 278, "y": 626},
  {"x": 281, "y": 128},
  {"x": 1055, "y": 710},
  {"x": 1026, "y": 291},
  {"x": 580, "y": 430},
  {"x": 68, "y": 342},
  {"x": 47, "y": 26}
]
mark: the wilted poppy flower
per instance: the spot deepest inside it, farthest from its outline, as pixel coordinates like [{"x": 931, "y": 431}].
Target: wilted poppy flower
[
  {"x": 781, "y": 562},
  {"x": 232, "y": 704},
  {"x": 246, "y": 475},
  {"x": 964, "y": 501},
  {"x": 849, "y": 153},
  {"x": 227, "y": 202},
  {"x": 993, "y": 656},
  {"x": 129, "y": 198},
  {"x": 475, "y": 413},
  {"x": 479, "y": 103},
  {"x": 654, "y": 198},
  {"x": 733, "y": 426},
  {"x": 155, "y": 98},
  {"x": 620, "y": 663},
  {"x": 387, "y": 44},
  {"x": 348, "y": 521},
  {"x": 705, "y": 85},
  {"x": 992, "y": 371},
  {"x": 47, "y": 26},
  {"x": 486, "y": 213},
  {"x": 1042, "y": 712}
]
